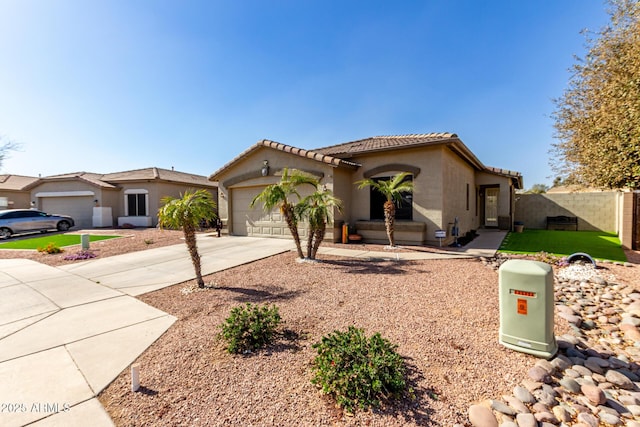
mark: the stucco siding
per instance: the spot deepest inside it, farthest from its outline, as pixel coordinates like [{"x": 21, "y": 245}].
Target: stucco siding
[
  {"x": 247, "y": 174},
  {"x": 457, "y": 177},
  {"x": 17, "y": 199}
]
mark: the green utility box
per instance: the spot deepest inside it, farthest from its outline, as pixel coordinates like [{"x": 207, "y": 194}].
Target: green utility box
[{"x": 527, "y": 307}]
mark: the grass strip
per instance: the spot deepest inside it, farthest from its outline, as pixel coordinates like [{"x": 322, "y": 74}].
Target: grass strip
[
  {"x": 60, "y": 240},
  {"x": 598, "y": 244}
]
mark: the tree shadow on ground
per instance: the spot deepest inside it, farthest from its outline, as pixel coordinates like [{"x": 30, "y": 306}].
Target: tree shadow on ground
[
  {"x": 260, "y": 295},
  {"x": 371, "y": 265},
  {"x": 286, "y": 340},
  {"x": 415, "y": 405}
]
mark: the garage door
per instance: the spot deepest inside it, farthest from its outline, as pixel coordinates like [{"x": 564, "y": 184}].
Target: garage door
[
  {"x": 80, "y": 208},
  {"x": 247, "y": 221}
]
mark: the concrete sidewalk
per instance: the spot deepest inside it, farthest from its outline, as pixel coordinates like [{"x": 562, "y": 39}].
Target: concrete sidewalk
[{"x": 67, "y": 332}]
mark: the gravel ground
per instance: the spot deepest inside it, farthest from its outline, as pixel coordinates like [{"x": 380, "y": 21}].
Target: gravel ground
[
  {"x": 443, "y": 315},
  {"x": 131, "y": 240}
]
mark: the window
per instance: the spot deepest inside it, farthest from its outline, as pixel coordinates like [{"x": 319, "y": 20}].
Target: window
[
  {"x": 404, "y": 211},
  {"x": 136, "y": 203}
]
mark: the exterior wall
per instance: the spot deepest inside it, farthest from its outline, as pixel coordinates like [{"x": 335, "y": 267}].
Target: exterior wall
[
  {"x": 342, "y": 188},
  {"x": 594, "y": 210},
  {"x": 483, "y": 178},
  {"x": 157, "y": 191},
  {"x": 440, "y": 192},
  {"x": 626, "y": 216},
  {"x": 70, "y": 185},
  {"x": 247, "y": 173},
  {"x": 17, "y": 199},
  {"x": 457, "y": 174},
  {"x": 113, "y": 199},
  {"x": 67, "y": 201},
  {"x": 428, "y": 193}
]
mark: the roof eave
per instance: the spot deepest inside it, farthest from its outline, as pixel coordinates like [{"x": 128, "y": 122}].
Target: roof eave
[{"x": 300, "y": 152}]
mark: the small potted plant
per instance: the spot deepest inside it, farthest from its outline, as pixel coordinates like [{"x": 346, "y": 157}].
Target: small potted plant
[{"x": 518, "y": 226}]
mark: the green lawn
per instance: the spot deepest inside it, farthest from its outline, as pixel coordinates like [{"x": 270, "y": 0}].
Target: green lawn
[
  {"x": 60, "y": 240},
  {"x": 598, "y": 244}
]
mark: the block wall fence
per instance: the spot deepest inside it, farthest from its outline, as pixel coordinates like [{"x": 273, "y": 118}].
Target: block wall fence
[{"x": 611, "y": 211}]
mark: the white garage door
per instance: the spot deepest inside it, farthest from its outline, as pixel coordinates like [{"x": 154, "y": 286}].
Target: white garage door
[
  {"x": 247, "y": 221},
  {"x": 80, "y": 208}
]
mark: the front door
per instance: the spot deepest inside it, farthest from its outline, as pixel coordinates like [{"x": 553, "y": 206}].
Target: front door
[{"x": 491, "y": 207}]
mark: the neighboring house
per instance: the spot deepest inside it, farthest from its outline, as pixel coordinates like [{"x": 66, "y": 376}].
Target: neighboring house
[
  {"x": 450, "y": 182},
  {"x": 102, "y": 200},
  {"x": 12, "y": 194}
]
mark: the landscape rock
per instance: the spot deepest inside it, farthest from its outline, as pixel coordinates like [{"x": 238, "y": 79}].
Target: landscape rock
[
  {"x": 619, "y": 379},
  {"x": 595, "y": 377},
  {"x": 503, "y": 408},
  {"x": 516, "y": 404},
  {"x": 588, "y": 419},
  {"x": 526, "y": 420},
  {"x": 523, "y": 395},
  {"x": 481, "y": 416},
  {"x": 539, "y": 374}
]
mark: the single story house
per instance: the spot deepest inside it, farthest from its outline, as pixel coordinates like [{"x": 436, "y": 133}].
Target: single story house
[
  {"x": 450, "y": 186},
  {"x": 102, "y": 200}
]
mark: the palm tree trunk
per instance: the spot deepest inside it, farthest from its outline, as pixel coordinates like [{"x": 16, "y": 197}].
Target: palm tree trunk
[
  {"x": 190, "y": 240},
  {"x": 293, "y": 228},
  {"x": 389, "y": 219},
  {"x": 312, "y": 231},
  {"x": 318, "y": 238}
]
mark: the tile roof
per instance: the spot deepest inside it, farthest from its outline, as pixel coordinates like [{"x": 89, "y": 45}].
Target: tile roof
[
  {"x": 160, "y": 174},
  {"x": 309, "y": 154},
  {"x": 89, "y": 177},
  {"x": 381, "y": 143},
  {"x": 337, "y": 154},
  {"x": 107, "y": 181},
  {"x": 16, "y": 182},
  {"x": 394, "y": 142},
  {"x": 505, "y": 172}
]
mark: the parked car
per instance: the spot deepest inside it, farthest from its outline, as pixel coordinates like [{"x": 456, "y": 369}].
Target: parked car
[{"x": 13, "y": 221}]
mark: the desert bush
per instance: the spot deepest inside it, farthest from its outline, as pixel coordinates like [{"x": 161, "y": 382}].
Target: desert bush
[
  {"x": 358, "y": 371},
  {"x": 250, "y": 327},
  {"x": 51, "y": 248}
]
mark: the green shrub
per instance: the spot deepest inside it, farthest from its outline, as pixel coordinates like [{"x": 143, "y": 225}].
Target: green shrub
[
  {"x": 250, "y": 327},
  {"x": 51, "y": 248},
  {"x": 358, "y": 371}
]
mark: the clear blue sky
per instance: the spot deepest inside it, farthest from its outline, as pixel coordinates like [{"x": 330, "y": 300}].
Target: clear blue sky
[{"x": 110, "y": 85}]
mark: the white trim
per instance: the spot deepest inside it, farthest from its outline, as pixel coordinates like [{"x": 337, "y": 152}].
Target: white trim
[
  {"x": 65, "y": 193},
  {"x": 136, "y": 191}
]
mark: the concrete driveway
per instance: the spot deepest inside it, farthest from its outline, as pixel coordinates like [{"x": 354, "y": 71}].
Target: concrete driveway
[{"x": 67, "y": 332}]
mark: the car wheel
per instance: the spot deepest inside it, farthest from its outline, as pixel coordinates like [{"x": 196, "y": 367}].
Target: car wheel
[
  {"x": 63, "y": 226},
  {"x": 5, "y": 233}
]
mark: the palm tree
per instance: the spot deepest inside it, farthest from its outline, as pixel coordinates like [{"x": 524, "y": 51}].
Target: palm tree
[
  {"x": 317, "y": 208},
  {"x": 392, "y": 189},
  {"x": 279, "y": 194},
  {"x": 187, "y": 212}
]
